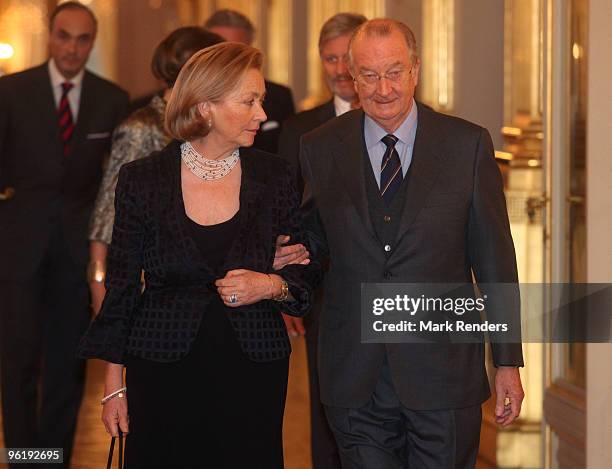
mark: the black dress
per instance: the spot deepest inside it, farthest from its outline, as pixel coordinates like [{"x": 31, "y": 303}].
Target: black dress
[{"x": 214, "y": 408}]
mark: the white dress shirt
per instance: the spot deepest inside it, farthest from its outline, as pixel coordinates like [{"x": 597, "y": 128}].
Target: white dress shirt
[
  {"x": 341, "y": 106},
  {"x": 74, "y": 95}
]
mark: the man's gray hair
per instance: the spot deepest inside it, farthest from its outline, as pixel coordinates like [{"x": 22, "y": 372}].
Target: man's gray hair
[
  {"x": 382, "y": 27},
  {"x": 231, "y": 19},
  {"x": 339, "y": 25}
]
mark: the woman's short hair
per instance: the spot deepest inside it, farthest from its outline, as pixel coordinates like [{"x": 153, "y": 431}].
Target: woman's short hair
[
  {"x": 176, "y": 48},
  {"x": 209, "y": 75}
]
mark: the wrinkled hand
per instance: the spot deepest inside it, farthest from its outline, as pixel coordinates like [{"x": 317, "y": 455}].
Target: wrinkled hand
[
  {"x": 293, "y": 254},
  {"x": 115, "y": 416},
  {"x": 508, "y": 386},
  {"x": 97, "y": 296},
  {"x": 295, "y": 326},
  {"x": 248, "y": 286}
]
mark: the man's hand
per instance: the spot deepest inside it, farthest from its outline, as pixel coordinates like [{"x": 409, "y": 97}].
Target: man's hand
[
  {"x": 508, "y": 386},
  {"x": 285, "y": 255},
  {"x": 295, "y": 326}
]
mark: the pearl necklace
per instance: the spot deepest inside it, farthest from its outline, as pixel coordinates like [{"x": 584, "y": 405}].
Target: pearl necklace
[{"x": 204, "y": 168}]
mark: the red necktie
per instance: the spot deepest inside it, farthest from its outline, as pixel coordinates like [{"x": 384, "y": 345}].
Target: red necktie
[{"x": 66, "y": 123}]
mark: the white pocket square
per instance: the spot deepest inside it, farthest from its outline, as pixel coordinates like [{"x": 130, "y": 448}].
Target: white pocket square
[
  {"x": 98, "y": 135},
  {"x": 269, "y": 125}
]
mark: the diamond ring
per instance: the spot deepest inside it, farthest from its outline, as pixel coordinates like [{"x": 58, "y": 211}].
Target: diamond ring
[{"x": 233, "y": 298}]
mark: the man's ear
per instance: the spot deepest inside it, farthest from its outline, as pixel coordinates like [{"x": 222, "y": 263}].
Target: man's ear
[{"x": 415, "y": 71}]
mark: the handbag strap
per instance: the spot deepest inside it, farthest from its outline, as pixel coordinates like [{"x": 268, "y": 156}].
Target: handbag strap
[
  {"x": 111, "y": 450},
  {"x": 120, "y": 450}
]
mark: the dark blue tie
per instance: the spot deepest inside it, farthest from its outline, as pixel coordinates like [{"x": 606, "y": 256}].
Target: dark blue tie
[{"x": 391, "y": 170}]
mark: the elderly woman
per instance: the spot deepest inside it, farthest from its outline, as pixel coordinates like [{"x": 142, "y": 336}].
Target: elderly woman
[
  {"x": 205, "y": 349},
  {"x": 138, "y": 136}
]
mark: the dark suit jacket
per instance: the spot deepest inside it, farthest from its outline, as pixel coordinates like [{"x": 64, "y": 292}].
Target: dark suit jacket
[
  {"x": 50, "y": 188},
  {"x": 150, "y": 233},
  {"x": 298, "y": 125},
  {"x": 454, "y": 222},
  {"x": 278, "y": 106}
]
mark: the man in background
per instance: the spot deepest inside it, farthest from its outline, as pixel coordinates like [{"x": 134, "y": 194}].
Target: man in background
[
  {"x": 278, "y": 105},
  {"x": 334, "y": 41},
  {"x": 56, "y": 121}
]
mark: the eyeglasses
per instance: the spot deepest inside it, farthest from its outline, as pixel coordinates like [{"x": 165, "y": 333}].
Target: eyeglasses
[{"x": 372, "y": 78}]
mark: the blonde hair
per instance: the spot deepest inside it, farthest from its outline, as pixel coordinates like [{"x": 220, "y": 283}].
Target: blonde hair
[{"x": 209, "y": 75}]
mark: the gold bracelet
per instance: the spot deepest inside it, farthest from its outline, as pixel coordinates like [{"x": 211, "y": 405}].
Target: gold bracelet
[
  {"x": 96, "y": 271},
  {"x": 284, "y": 294}
]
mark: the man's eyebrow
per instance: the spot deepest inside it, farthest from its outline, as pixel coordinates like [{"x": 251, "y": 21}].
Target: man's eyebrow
[
  {"x": 393, "y": 65},
  {"x": 80, "y": 36}
]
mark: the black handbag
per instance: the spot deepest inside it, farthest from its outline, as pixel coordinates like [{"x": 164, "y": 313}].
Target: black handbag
[{"x": 112, "y": 449}]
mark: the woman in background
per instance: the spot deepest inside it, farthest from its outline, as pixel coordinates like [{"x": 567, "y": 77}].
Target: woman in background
[
  {"x": 138, "y": 136},
  {"x": 205, "y": 348}
]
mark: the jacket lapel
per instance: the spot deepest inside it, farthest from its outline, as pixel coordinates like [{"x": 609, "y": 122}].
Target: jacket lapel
[
  {"x": 326, "y": 112},
  {"x": 86, "y": 109},
  {"x": 251, "y": 190},
  {"x": 176, "y": 227},
  {"x": 426, "y": 165},
  {"x": 348, "y": 156},
  {"x": 43, "y": 99}
]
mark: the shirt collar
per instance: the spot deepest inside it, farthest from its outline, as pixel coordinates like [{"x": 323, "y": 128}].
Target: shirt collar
[
  {"x": 406, "y": 132},
  {"x": 57, "y": 78},
  {"x": 340, "y": 105}
]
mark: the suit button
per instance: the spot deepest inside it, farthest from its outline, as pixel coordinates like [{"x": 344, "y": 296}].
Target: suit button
[
  {"x": 387, "y": 275},
  {"x": 387, "y": 218},
  {"x": 387, "y": 248}
]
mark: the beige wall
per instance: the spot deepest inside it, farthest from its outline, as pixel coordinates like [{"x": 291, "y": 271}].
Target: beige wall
[
  {"x": 141, "y": 27},
  {"x": 479, "y": 64},
  {"x": 478, "y": 57},
  {"x": 599, "y": 225}
]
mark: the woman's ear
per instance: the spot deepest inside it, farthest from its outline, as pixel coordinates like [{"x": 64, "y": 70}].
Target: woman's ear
[{"x": 204, "y": 109}]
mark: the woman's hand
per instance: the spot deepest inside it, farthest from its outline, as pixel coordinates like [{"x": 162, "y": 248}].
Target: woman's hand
[
  {"x": 115, "y": 411},
  {"x": 242, "y": 287}
]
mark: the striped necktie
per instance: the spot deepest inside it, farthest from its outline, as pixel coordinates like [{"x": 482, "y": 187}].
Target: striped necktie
[
  {"x": 391, "y": 170},
  {"x": 66, "y": 124}
]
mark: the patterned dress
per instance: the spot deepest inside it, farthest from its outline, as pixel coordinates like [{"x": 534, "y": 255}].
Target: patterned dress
[{"x": 138, "y": 136}]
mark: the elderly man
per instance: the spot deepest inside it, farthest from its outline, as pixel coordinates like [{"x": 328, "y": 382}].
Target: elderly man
[
  {"x": 396, "y": 193},
  {"x": 333, "y": 49},
  {"x": 56, "y": 121},
  {"x": 278, "y": 106}
]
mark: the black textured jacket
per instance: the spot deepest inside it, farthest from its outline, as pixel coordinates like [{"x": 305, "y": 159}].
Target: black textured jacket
[{"x": 161, "y": 323}]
